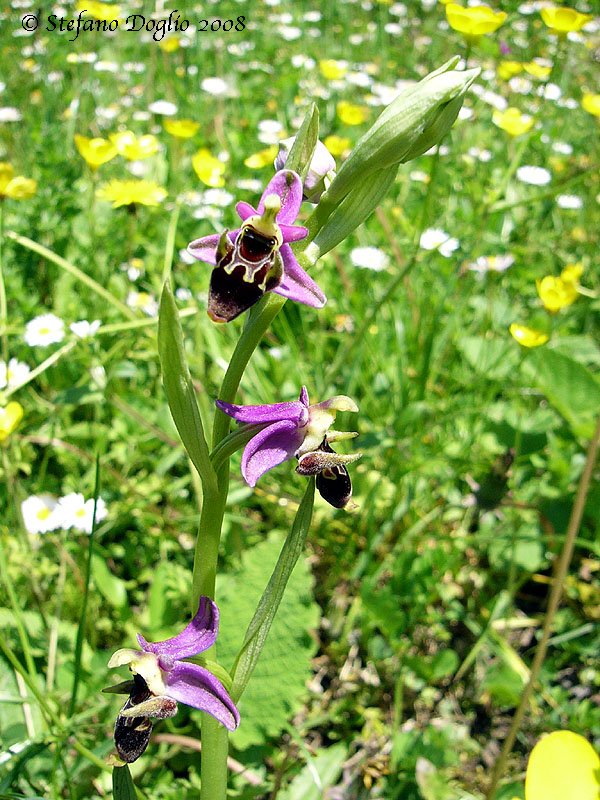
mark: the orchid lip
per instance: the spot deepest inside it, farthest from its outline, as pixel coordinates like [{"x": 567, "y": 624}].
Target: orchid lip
[{"x": 161, "y": 679}]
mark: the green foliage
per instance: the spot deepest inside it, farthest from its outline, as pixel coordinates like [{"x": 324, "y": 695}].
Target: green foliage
[{"x": 279, "y": 679}]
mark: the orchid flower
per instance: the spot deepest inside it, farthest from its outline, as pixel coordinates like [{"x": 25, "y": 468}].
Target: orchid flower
[
  {"x": 161, "y": 678},
  {"x": 257, "y": 258},
  {"x": 298, "y": 430}
]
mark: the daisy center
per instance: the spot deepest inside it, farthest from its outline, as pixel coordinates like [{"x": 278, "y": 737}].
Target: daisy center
[
  {"x": 43, "y": 513},
  {"x": 80, "y": 512},
  {"x": 44, "y": 331}
]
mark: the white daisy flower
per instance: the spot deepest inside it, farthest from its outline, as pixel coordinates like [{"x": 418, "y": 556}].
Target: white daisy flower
[
  {"x": 479, "y": 154},
  {"x": 144, "y": 302},
  {"x": 14, "y": 374},
  {"x": 78, "y": 513},
  {"x": 564, "y": 148},
  {"x": 569, "y": 201},
  {"x": 369, "y": 258},
  {"x": 465, "y": 113},
  {"x": 289, "y": 32},
  {"x": 163, "y": 107},
  {"x": 437, "y": 239},
  {"x": 549, "y": 91},
  {"x": 41, "y": 514},
  {"x": 520, "y": 85},
  {"x": 215, "y": 86},
  {"x": 186, "y": 257},
  {"x": 217, "y": 197},
  {"x": 183, "y": 294},
  {"x": 10, "y": 114},
  {"x": 419, "y": 176},
  {"x": 43, "y": 330},
  {"x": 84, "y": 329},
  {"x": 491, "y": 264},
  {"x": 537, "y": 176}
]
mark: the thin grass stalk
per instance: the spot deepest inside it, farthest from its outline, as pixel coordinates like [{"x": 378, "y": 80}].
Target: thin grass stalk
[{"x": 553, "y": 602}]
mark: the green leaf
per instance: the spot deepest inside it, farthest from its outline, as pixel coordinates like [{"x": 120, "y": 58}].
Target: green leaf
[
  {"x": 569, "y": 386},
  {"x": 305, "y": 143},
  {"x": 285, "y": 665},
  {"x": 179, "y": 388},
  {"x": 110, "y": 586},
  {"x": 264, "y": 615},
  {"x": 122, "y": 784},
  {"x": 494, "y": 358},
  {"x": 319, "y": 774}
]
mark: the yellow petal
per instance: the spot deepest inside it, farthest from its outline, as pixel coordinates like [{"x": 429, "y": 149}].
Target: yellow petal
[
  {"x": 263, "y": 158},
  {"x": 21, "y": 188},
  {"x": 10, "y": 416},
  {"x": 337, "y": 145},
  {"x": 528, "y": 337},
  {"x": 6, "y": 175},
  {"x": 181, "y": 128},
  {"x": 474, "y": 21},
  {"x": 591, "y": 103},
  {"x": 351, "y": 114},
  {"x": 563, "y": 766},
  {"x": 564, "y": 20}
]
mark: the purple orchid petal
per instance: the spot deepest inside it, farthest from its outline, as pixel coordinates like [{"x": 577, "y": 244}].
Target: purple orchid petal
[
  {"x": 304, "y": 396},
  {"x": 245, "y": 210},
  {"x": 295, "y": 412},
  {"x": 288, "y": 186},
  {"x": 296, "y": 284},
  {"x": 197, "y": 687},
  {"x": 205, "y": 249},
  {"x": 293, "y": 233},
  {"x": 270, "y": 447},
  {"x": 195, "y": 638}
]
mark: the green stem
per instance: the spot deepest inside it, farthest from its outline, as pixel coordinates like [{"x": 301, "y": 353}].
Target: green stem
[
  {"x": 553, "y": 601},
  {"x": 3, "y": 303},
  {"x": 16, "y": 609},
  {"x": 512, "y": 168},
  {"x": 58, "y": 354},
  {"x": 213, "y": 765},
  {"x": 206, "y": 553},
  {"x": 170, "y": 243}
]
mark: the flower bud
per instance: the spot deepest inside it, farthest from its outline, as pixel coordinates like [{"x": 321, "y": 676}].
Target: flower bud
[
  {"x": 415, "y": 121},
  {"x": 320, "y": 173}
]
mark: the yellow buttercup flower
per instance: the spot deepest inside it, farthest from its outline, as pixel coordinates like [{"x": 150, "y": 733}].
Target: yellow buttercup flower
[
  {"x": 95, "y": 151},
  {"x": 512, "y": 121},
  {"x": 98, "y": 10},
  {"x": 528, "y": 337},
  {"x": 337, "y": 145},
  {"x": 591, "y": 103},
  {"x": 132, "y": 192},
  {"x": 508, "y": 69},
  {"x": 208, "y": 168},
  {"x": 16, "y": 187},
  {"x": 475, "y": 21},
  {"x": 555, "y": 293},
  {"x": 571, "y": 273},
  {"x": 131, "y": 147},
  {"x": 263, "y": 158},
  {"x": 332, "y": 70},
  {"x": 351, "y": 114},
  {"x": 563, "y": 766},
  {"x": 536, "y": 70},
  {"x": 169, "y": 45},
  {"x": 181, "y": 128},
  {"x": 564, "y": 20},
  {"x": 10, "y": 416}
]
